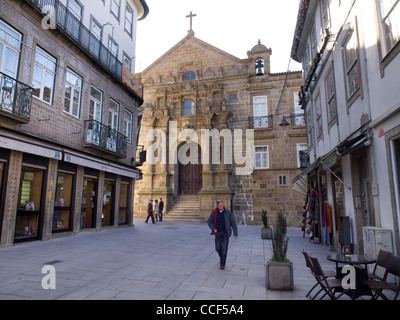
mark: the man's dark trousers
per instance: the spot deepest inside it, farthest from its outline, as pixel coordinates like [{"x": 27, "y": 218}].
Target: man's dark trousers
[{"x": 221, "y": 246}]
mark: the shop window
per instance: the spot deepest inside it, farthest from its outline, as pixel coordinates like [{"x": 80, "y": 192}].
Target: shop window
[
  {"x": 63, "y": 202},
  {"x": 123, "y": 204},
  {"x": 89, "y": 203},
  {"x": 108, "y": 204},
  {"x": 29, "y": 205},
  {"x": 1, "y": 193}
]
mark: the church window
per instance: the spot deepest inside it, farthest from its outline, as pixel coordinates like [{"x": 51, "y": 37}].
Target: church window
[
  {"x": 188, "y": 107},
  {"x": 190, "y": 75}
]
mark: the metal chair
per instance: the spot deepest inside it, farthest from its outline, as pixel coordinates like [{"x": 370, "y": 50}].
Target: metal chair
[
  {"x": 328, "y": 285},
  {"x": 381, "y": 261},
  {"x": 329, "y": 273},
  {"x": 377, "y": 286}
]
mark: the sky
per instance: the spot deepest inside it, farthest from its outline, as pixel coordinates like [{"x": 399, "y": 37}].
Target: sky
[{"x": 234, "y": 26}]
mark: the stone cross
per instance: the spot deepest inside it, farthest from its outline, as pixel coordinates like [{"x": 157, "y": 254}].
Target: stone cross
[{"x": 191, "y": 18}]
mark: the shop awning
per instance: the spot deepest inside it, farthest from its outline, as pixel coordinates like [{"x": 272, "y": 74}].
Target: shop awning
[
  {"x": 329, "y": 161},
  {"x": 30, "y": 146},
  {"x": 351, "y": 145},
  {"x": 98, "y": 164},
  {"x": 305, "y": 172}
]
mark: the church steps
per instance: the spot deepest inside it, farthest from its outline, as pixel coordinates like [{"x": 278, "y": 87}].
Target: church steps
[{"x": 184, "y": 209}]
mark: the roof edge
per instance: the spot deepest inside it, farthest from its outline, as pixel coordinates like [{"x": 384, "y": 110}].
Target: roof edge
[{"x": 301, "y": 18}]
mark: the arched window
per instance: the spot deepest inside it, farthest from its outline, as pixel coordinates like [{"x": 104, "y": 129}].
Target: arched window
[
  {"x": 188, "y": 107},
  {"x": 190, "y": 75}
]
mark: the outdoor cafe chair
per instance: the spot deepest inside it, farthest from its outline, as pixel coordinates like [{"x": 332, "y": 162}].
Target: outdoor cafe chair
[
  {"x": 381, "y": 261},
  {"x": 328, "y": 285},
  {"x": 329, "y": 274},
  {"x": 377, "y": 286}
]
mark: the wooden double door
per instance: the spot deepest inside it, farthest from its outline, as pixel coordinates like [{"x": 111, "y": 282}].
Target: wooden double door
[{"x": 191, "y": 177}]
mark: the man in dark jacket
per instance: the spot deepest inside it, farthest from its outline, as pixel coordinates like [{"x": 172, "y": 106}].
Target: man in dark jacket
[
  {"x": 150, "y": 211},
  {"x": 221, "y": 223}
]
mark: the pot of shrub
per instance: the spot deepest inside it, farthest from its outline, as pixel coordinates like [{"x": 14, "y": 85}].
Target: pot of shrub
[
  {"x": 279, "y": 270},
  {"x": 266, "y": 231}
]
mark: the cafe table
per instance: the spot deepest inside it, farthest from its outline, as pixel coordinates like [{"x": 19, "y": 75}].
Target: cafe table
[{"x": 355, "y": 260}]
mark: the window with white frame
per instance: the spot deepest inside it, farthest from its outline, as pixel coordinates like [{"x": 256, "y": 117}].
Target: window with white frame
[
  {"x": 326, "y": 17},
  {"x": 261, "y": 157},
  {"x": 10, "y": 43},
  {"x": 128, "y": 121},
  {"x": 75, "y": 8},
  {"x": 310, "y": 128},
  {"x": 72, "y": 94},
  {"x": 318, "y": 114},
  {"x": 301, "y": 147},
  {"x": 113, "y": 114},
  {"x": 389, "y": 14},
  {"x": 44, "y": 71},
  {"x": 95, "y": 104},
  {"x": 128, "y": 19},
  {"x": 331, "y": 95},
  {"x": 299, "y": 119},
  {"x": 351, "y": 64},
  {"x": 127, "y": 61},
  {"x": 260, "y": 112},
  {"x": 115, "y": 7}
]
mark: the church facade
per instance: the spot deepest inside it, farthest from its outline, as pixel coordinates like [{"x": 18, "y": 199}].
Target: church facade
[{"x": 211, "y": 130}]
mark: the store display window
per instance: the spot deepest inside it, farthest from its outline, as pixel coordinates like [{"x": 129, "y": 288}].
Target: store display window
[
  {"x": 123, "y": 203},
  {"x": 28, "y": 221},
  {"x": 89, "y": 203},
  {"x": 108, "y": 203},
  {"x": 63, "y": 203}
]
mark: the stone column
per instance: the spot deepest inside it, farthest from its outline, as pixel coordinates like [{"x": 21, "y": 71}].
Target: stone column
[
  {"x": 77, "y": 210},
  {"x": 100, "y": 193},
  {"x": 50, "y": 195},
  {"x": 117, "y": 199},
  {"x": 11, "y": 199}
]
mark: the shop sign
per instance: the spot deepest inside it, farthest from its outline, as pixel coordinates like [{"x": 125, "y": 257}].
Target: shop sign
[{"x": 132, "y": 81}]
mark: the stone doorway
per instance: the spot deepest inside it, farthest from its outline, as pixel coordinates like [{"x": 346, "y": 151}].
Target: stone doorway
[{"x": 191, "y": 176}]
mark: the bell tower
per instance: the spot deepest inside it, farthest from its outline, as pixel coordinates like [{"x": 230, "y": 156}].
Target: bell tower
[{"x": 259, "y": 60}]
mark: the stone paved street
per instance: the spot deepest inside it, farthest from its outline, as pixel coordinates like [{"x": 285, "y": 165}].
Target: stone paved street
[{"x": 165, "y": 261}]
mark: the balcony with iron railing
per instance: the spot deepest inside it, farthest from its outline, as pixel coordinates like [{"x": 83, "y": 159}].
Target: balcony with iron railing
[
  {"x": 266, "y": 122},
  {"x": 15, "y": 99},
  {"x": 298, "y": 120},
  {"x": 104, "y": 138},
  {"x": 81, "y": 36}
]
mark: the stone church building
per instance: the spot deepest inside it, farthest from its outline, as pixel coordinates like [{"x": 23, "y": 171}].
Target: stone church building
[{"x": 233, "y": 109}]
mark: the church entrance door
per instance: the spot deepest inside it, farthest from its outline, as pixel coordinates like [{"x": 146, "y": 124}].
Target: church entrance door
[{"x": 191, "y": 177}]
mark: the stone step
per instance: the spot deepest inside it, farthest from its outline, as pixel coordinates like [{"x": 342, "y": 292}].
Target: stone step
[{"x": 184, "y": 208}]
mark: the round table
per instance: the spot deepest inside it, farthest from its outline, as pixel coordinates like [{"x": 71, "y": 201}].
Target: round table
[{"x": 361, "y": 273}]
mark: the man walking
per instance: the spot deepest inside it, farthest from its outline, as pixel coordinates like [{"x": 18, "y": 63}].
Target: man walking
[
  {"x": 221, "y": 223},
  {"x": 160, "y": 208},
  {"x": 150, "y": 211}
]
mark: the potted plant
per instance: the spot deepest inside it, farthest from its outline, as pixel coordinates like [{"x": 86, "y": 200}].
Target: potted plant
[
  {"x": 279, "y": 270},
  {"x": 266, "y": 231}
]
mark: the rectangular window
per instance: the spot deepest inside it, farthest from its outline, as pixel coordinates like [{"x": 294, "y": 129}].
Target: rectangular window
[
  {"x": 115, "y": 6},
  {"x": 72, "y": 95},
  {"x": 301, "y": 148},
  {"x": 128, "y": 121},
  {"x": 94, "y": 42},
  {"x": 326, "y": 17},
  {"x": 44, "y": 72},
  {"x": 389, "y": 11},
  {"x": 128, "y": 19},
  {"x": 260, "y": 112},
  {"x": 318, "y": 109},
  {"x": 113, "y": 47},
  {"x": 261, "y": 157},
  {"x": 63, "y": 202},
  {"x": 331, "y": 95},
  {"x": 75, "y": 8},
  {"x": 127, "y": 61},
  {"x": 113, "y": 115},
  {"x": 310, "y": 128},
  {"x": 10, "y": 43},
  {"x": 74, "y": 17},
  {"x": 299, "y": 119},
  {"x": 351, "y": 65},
  {"x": 95, "y": 104}
]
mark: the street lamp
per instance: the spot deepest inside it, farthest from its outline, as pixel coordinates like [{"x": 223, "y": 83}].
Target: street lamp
[{"x": 284, "y": 122}]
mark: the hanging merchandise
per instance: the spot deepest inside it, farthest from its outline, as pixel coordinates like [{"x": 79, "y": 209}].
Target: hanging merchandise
[{"x": 327, "y": 223}]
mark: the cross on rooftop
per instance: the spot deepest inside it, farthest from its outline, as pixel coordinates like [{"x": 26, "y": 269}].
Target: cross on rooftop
[{"x": 191, "y": 15}]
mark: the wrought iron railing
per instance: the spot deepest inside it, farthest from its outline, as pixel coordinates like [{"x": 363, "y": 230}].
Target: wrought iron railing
[
  {"x": 261, "y": 122},
  {"x": 81, "y": 35},
  {"x": 15, "y": 97},
  {"x": 103, "y": 137},
  {"x": 298, "y": 120}
]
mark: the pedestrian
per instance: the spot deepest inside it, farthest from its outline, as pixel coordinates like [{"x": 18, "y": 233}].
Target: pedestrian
[
  {"x": 160, "y": 208},
  {"x": 150, "y": 211},
  {"x": 221, "y": 223},
  {"x": 155, "y": 211}
]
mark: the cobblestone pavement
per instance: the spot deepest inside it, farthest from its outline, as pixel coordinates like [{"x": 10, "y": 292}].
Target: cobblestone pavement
[{"x": 165, "y": 261}]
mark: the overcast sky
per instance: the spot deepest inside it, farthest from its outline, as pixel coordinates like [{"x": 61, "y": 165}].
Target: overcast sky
[{"x": 234, "y": 26}]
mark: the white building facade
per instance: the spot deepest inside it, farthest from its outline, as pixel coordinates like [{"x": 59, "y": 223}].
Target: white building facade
[{"x": 351, "y": 62}]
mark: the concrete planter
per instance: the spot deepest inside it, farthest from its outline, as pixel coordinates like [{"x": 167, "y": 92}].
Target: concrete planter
[
  {"x": 279, "y": 276},
  {"x": 266, "y": 233}
]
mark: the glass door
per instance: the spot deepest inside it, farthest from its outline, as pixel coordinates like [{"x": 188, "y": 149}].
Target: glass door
[
  {"x": 29, "y": 214},
  {"x": 123, "y": 204},
  {"x": 63, "y": 203},
  {"x": 108, "y": 204},
  {"x": 89, "y": 203}
]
